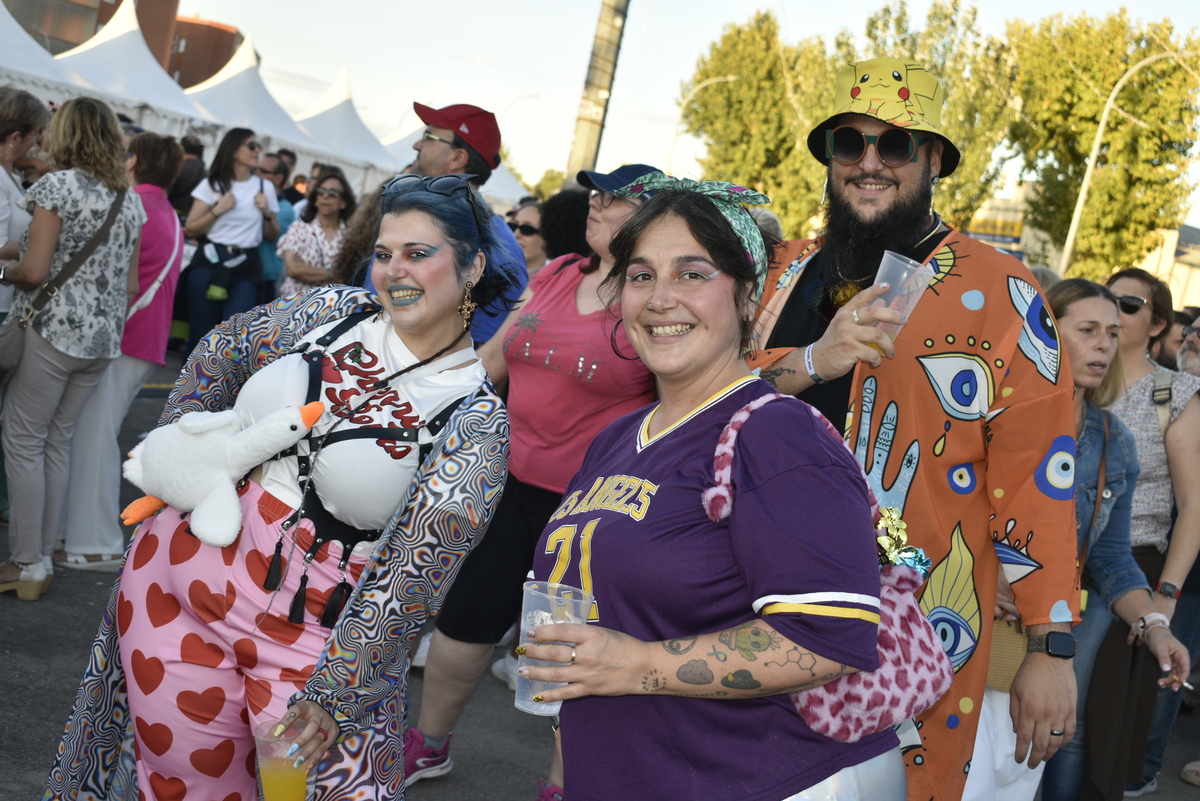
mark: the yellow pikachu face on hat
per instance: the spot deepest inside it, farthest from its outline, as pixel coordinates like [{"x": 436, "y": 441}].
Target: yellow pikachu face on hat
[{"x": 900, "y": 93}]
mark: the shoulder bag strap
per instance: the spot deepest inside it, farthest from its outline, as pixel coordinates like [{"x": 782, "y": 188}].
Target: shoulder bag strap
[
  {"x": 1099, "y": 492},
  {"x": 148, "y": 296},
  {"x": 51, "y": 288},
  {"x": 1161, "y": 395}
]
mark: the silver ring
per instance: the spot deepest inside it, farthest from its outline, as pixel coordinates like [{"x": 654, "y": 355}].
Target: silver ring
[
  {"x": 572, "y": 656},
  {"x": 854, "y": 314},
  {"x": 1056, "y": 733}
]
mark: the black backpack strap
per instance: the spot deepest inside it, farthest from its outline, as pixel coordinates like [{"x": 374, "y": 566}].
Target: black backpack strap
[
  {"x": 392, "y": 434},
  {"x": 438, "y": 423}
]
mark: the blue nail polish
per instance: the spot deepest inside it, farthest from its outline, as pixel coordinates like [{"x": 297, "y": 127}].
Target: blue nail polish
[
  {"x": 292, "y": 751},
  {"x": 298, "y": 762}
]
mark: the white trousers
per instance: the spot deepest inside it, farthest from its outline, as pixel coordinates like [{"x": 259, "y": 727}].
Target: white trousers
[
  {"x": 47, "y": 394},
  {"x": 880, "y": 778},
  {"x": 995, "y": 775},
  {"x": 91, "y": 524}
]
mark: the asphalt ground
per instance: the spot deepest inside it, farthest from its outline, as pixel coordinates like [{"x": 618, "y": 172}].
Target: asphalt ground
[{"x": 498, "y": 751}]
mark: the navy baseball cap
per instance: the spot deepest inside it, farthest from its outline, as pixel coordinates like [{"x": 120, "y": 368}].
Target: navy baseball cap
[{"x": 617, "y": 179}]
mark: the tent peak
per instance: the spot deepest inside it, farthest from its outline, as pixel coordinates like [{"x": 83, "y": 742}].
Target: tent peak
[
  {"x": 244, "y": 58},
  {"x": 337, "y": 93},
  {"x": 124, "y": 20}
]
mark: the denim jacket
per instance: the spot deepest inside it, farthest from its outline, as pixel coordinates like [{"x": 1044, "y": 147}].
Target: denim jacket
[{"x": 1109, "y": 560}]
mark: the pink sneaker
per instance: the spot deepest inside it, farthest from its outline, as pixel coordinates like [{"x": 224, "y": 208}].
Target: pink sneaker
[
  {"x": 550, "y": 792},
  {"x": 421, "y": 761}
]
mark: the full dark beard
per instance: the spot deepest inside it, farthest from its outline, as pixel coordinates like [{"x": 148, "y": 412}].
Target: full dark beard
[{"x": 854, "y": 247}]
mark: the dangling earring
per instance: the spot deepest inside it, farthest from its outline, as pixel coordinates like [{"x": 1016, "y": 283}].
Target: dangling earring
[
  {"x": 468, "y": 306},
  {"x": 825, "y": 192}
]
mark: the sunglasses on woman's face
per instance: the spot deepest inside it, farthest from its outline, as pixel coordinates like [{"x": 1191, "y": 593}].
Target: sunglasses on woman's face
[
  {"x": 895, "y": 147},
  {"x": 254, "y": 146},
  {"x": 1131, "y": 304},
  {"x": 329, "y": 191},
  {"x": 524, "y": 229}
]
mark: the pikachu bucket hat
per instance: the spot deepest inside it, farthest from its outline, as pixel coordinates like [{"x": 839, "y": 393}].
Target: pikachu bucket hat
[{"x": 894, "y": 91}]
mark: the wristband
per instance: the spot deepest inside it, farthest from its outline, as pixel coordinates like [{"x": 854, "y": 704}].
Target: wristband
[
  {"x": 1150, "y": 621},
  {"x": 808, "y": 365}
]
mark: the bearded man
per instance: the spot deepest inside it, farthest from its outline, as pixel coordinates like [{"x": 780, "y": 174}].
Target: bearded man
[{"x": 965, "y": 423}]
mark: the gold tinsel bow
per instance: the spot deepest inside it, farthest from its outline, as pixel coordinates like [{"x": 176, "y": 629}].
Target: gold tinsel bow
[{"x": 894, "y": 542}]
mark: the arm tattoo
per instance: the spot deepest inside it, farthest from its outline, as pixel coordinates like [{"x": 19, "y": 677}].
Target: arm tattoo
[
  {"x": 695, "y": 672},
  {"x": 749, "y": 638},
  {"x": 654, "y": 682},
  {"x": 772, "y": 376},
  {"x": 741, "y": 680},
  {"x": 680, "y": 645},
  {"x": 802, "y": 659}
]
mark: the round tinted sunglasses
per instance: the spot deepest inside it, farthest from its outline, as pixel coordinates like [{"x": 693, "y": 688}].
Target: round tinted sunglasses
[
  {"x": 525, "y": 229},
  {"x": 445, "y": 185},
  {"x": 895, "y": 147},
  {"x": 1131, "y": 304}
]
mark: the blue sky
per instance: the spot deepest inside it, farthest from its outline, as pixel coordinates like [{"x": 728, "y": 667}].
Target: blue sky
[{"x": 525, "y": 60}]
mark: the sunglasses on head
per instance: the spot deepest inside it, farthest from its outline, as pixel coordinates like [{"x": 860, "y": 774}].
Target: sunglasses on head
[
  {"x": 895, "y": 147},
  {"x": 1131, "y": 304},
  {"x": 525, "y": 229},
  {"x": 328, "y": 191},
  {"x": 445, "y": 185}
]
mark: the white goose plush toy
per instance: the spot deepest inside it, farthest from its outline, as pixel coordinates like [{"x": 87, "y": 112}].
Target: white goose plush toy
[{"x": 194, "y": 463}]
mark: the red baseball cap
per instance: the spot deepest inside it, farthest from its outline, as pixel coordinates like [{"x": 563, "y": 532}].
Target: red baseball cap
[{"x": 473, "y": 125}]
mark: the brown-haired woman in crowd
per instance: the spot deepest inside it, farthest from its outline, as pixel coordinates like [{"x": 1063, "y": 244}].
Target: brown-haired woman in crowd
[
  {"x": 91, "y": 531},
  {"x": 72, "y": 340},
  {"x": 310, "y": 244},
  {"x": 1089, "y": 326},
  {"x": 1168, "y": 438}
]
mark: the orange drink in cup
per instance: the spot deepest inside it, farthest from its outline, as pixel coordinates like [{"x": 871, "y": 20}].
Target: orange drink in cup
[{"x": 279, "y": 776}]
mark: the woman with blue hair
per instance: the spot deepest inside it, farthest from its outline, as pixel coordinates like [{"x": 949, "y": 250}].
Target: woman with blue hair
[{"x": 349, "y": 540}]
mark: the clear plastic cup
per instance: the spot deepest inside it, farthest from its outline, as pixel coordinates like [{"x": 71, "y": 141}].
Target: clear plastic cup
[
  {"x": 544, "y": 603},
  {"x": 279, "y": 777},
  {"x": 908, "y": 281}
]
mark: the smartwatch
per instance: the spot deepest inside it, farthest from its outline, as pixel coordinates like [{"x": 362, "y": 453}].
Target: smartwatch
[
  {"x": 1162, "y": 587},
  {"x": 1057, "y": 643}
]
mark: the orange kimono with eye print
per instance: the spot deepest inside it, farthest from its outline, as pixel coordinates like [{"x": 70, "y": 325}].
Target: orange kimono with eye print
[{"x": 970, "y": 431}]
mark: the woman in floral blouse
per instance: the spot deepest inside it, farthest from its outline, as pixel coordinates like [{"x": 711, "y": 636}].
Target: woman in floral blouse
[
  {"x": 311, "y": 242},
  {"x": 68, "y": 345}
]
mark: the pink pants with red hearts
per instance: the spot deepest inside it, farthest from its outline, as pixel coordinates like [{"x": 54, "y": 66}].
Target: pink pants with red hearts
[{"x": 209, "y": 654}]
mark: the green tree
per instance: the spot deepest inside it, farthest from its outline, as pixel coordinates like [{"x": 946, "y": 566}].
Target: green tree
[
  {"x": 1067, "y": 67},
  {"x": 977, "y": 73},
  {"x": 550, "y": 182},
  {"x": 755, "y": 128}
]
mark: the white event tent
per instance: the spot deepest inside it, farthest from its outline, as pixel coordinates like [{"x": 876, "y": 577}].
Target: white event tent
[
  {"x": 27, "y": 65},
  {"x": 239, "y": 98},
  {"x": 334, "y": 120},
  {"x": 502, "y": 190},
  {"x": 118, "y": 61}
]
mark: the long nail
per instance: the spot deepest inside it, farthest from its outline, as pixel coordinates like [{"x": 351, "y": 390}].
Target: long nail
[
  {"x": 299, "y": 761},
  {"x": 280, "y": 729},
  {"x": 537, "y": 699},
  {"x": 524, "y": 671},
  {"x": 519, "y": 650},
  {"x": 292, "y": 751}
]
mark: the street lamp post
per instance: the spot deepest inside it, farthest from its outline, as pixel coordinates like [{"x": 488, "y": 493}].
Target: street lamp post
[
  {"x": 1069, "y": 247},
  {"x": 679, "y": 118}
]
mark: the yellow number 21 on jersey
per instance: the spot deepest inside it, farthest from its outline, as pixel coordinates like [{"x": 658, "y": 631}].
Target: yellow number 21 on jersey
[{"x": 560, "y": 541}]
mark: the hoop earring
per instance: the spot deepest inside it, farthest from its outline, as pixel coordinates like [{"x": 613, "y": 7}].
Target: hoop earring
[
  {"x": 468, "y": 307},
  {"x": 612, "y": 340}
]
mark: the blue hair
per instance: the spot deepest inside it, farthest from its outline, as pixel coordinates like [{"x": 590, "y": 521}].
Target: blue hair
[{"x": 456, "y": 219}]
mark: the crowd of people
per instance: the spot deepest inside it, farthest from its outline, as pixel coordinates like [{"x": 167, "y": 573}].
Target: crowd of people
[{"x": 634, "y": 387}]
